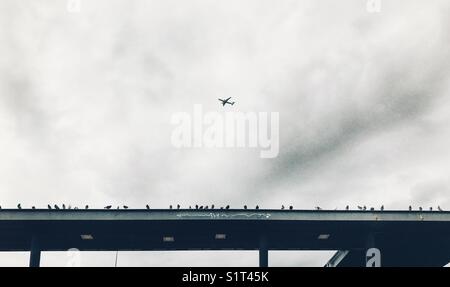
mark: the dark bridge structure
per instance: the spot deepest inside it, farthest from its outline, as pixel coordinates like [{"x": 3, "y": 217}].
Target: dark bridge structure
[{"x": 403, "y": 238}]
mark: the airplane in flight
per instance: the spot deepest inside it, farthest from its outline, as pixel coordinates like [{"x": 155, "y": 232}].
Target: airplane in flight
[{"x": 226, "y": 101}]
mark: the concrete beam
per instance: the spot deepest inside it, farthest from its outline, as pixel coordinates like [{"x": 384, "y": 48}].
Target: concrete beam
[
  {"x": 235, "y": 214},
  {"x": 337, "y": 258}
]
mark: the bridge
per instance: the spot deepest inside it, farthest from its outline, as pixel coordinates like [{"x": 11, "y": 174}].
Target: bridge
[{"x": 403, "y": 238}]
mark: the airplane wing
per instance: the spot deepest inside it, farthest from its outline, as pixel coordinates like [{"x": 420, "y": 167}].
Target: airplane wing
[{"x": 225, "y": 101}]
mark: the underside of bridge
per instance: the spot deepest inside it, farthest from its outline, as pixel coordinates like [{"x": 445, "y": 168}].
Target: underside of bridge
[{"x": 363, "y": 238}]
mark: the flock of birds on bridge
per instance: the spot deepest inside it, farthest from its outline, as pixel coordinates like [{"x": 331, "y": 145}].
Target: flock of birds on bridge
[{"x": 212, "y": 207}]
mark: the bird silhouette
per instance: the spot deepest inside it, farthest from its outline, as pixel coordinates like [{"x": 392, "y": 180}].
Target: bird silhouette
[
  {"x": 382, "y": 208},
  {"x": 19, "y": 206},
  {"x": 70, "y": 207},
  {"x": 86, "y": 207},
  {"x": 190, "y": 207},
  {"x": 56, "y": 206},
  {"x": 360, "y": 208},
  {"x": 420, "y": 208},
  {"x": 410, "y": 208},
  {"x": 64, "y": 206},
  {"x": 33, "y": 207},
  {"x": 372, "y": 209},
  {"x": 178, "y": 206},
  {"x": 318, "y": 208},
  {"x": 48, "y": 206},
  {"x": 227, "y": 207},
  {"x": 108, "y": 207},
  {"x": 201, "y": 207},
  {"x": 212, "y": 206},
  {"x": 196, "y": 206},
  {"x": 440, "y": 209},
  {"x": 347, "y": 207},
  {"x": 257, "y": 207},
  {"x": 170, "y": 206},
  {"x": 125, "y": 207},
  {"x": 282, "y": 207},
  {"x": 364, "y": 207},
  {"x": 147, "y": 206},
  {"x": 291, "y": 207},
  {"x": 245, "y": 206},
  {"x": 431, "y": 208}
]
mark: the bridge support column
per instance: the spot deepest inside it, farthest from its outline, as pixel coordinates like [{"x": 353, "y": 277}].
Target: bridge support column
[
  {"x": 263, "y": 253},
  {"x": 35, "y": 252}
]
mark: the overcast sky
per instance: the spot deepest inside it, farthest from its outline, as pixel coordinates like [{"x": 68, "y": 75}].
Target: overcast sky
[{"x": 86, "y": 101}]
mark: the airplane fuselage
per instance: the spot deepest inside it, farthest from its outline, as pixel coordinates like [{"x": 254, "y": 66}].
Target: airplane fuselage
[{"x": 226, "y": 101}]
